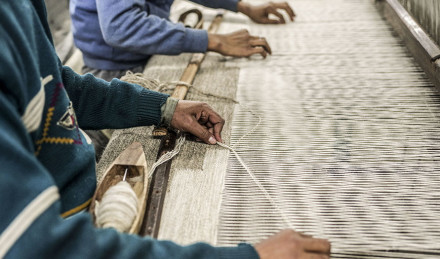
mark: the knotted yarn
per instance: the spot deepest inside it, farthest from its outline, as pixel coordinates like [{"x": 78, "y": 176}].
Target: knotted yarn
[
  {"x": 118, "y": 207},
  {"x": 166, "y": 87}
]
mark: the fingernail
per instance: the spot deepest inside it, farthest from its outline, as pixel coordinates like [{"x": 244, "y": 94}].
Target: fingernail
[{"x": 212, "y": 140}]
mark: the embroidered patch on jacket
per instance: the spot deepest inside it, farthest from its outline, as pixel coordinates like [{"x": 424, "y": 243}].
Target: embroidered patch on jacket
[{"x": 68, "y": 120}]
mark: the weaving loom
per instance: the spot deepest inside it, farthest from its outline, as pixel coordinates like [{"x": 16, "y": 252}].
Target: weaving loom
[{"x": 348, "y": 147}]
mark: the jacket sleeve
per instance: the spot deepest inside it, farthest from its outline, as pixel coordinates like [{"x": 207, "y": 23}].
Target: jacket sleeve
[
  {"x": 30, "y": 222},
  {"x": 99, "y": 104},
  {"x": 130, "y": 26},
  {"x": 230, "y": 5}
]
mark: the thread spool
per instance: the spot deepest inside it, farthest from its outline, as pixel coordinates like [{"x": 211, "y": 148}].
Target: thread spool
[{"x": 118, "y": 207}]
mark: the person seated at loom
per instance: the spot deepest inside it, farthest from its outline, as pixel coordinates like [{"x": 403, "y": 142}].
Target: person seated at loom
[
  {"x": 115, "y": 36},
  {"x": 47, "y": 161}
]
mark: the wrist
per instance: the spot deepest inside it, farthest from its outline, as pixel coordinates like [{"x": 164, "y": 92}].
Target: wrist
[
  {"x": 214, "y": 42},
  {"x": 167, "y": 111},
  {"x": 243, "y": 7}
]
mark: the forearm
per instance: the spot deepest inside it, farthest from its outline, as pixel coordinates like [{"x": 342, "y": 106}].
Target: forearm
[
  {"x": 99, "y": 104},
  {"x": 244, "y": 8},
  {"x": 130, "y": 27}
]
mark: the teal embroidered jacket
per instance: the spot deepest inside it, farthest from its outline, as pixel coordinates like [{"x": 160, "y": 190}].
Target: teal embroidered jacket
[{"x": 47, "y": 166}]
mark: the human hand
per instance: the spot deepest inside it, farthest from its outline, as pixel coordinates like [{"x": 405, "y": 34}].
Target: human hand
[
  {"x": 198, "y": 119},
  {"x": 238, "y": 44},
  {"x": 288, "y": 244},
  {"x": 260, "y": 13}
]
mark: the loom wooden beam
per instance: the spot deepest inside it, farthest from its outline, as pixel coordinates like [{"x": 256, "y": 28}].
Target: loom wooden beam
[
  {"x": 190, "y": 71},
  {"x": 425, "y": 51},
  {"x": 188, "y": 76},
  {"x": 159, "y": 182}
]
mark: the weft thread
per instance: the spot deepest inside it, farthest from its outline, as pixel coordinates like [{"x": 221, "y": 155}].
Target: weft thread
[{"x": 118, "y": 207}]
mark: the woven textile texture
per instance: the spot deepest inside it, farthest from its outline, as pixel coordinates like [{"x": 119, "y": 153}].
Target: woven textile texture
[{"x": 349, "y": 145}]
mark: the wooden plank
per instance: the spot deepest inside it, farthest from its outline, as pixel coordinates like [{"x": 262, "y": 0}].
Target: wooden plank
[
  {"x": 421, "y": 46},
  {"x": 415, "y": 30}
]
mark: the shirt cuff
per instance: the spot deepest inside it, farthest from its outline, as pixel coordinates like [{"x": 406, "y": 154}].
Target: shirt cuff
[
  {"x": 195, "y": 41},
  {"x": 231, "y": 5},
  {"x": 167, "y": 110}
]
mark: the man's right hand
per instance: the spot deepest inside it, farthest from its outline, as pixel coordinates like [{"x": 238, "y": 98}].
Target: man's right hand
[
  {"x": 238, "y": 44},
  {"x": 198, "y": 119},
  {"x": 289, "y": 244}
]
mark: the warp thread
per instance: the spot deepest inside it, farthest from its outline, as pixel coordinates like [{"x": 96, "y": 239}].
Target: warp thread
[
  {"x": 169, "y": 155},
  {"x": 254, "y": 178},
  {"x": 118, "y": 207}
]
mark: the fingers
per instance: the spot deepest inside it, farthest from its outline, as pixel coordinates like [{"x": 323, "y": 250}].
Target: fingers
[
  {"x": 260, "y": 13},
  {"x": 316, "y": 245},
  {"x": 202, "y": 133},
  {"x": 218, "y": 127},
  {"x": 259, "y": 41},
  {"x": 258, "y": 50},
  {"x": 266, "y": 20},
  {"x": 215, "y": 124},
  {"x": 286, "y": 7},
  {"x": 208, "y": 124},
  {"x": 273, "y": 10},
  {"x": 242, "y": 44},
  {"x": 291, "y": 244},
  {"x": 203, "y": 118},
  {"x": 315, "y": 256},
  {"x": 198, "y": 119},
  {"x": 304, "y": 235}
]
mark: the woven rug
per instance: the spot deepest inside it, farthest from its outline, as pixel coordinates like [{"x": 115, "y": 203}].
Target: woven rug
[{"x": 348, "y": 148}]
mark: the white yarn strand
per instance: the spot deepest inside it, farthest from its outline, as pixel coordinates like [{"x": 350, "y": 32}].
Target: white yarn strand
[
  {"x": 118, "y": 207},
  {"x": 167, "y": 156},
  {"x": 254, "y": 178}
]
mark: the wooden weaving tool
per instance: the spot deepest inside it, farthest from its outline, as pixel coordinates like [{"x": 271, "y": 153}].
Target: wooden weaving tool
[
  {"x": 160, "y": 177},
  {"x": 193, "y": 66},
  {"x": 132, "y": 160}
]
